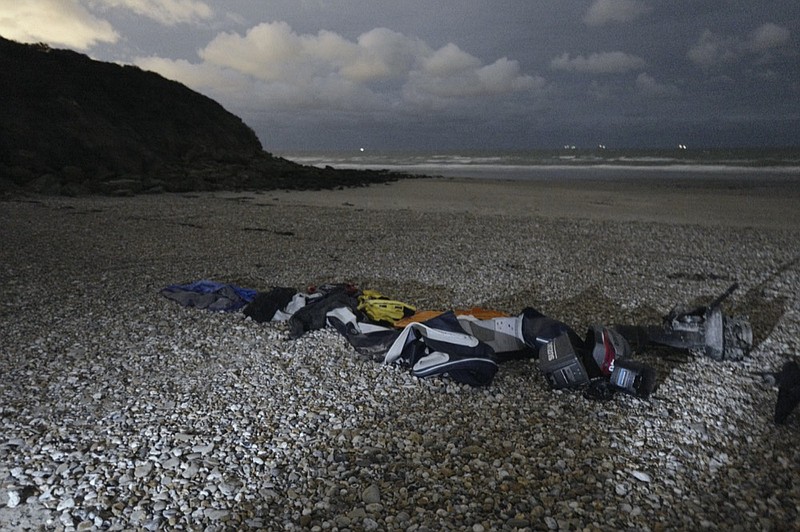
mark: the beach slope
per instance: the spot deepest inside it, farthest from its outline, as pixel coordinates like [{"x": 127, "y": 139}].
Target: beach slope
[{"x": 122, "y": 409}]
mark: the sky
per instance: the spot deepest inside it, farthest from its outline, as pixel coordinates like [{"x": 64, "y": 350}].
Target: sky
[{"x": 450, "y": 75}]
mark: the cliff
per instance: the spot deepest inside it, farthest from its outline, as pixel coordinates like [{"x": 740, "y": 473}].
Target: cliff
[{"x": 73, "y": 125}]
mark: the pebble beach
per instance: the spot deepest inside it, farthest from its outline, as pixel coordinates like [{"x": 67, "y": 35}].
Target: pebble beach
[{"x": 121, "y": 410}]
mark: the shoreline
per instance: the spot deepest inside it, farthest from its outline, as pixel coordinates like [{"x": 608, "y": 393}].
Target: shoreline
[{"x": 725, "y": 202}]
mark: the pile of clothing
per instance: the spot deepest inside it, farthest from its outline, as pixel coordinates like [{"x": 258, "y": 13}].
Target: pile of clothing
[
  {"x": 468, "y": 346},
  {"x": 465, "y": 345}
]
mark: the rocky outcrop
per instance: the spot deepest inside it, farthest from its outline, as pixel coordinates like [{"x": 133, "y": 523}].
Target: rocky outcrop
[{"x": 73, "y": 125}]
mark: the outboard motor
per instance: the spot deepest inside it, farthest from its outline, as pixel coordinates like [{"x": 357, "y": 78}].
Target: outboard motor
[{"x": 705, "y": 329}]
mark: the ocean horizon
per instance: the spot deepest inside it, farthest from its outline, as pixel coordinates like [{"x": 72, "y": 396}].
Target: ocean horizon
[{"x": 569, "y": 163}]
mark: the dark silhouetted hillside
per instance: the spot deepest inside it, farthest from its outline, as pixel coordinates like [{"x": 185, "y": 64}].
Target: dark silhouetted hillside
[{"x": 72, "y": 125}]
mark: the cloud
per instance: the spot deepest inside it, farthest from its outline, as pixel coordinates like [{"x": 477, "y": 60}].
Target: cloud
[
  {"x": 76, "y": 24},
  {"x": 381, "y": 69},
  {"x": 714, "y": 50},
  {"x": 449, "y": 60},
  {"x": 599, "y": 63},
  {"x": 391, "y": 53},
  {"x": 768, "y": 36},
  {"x": 602, "y": 12},
  {"x": 57, "y": 22},
  {"x": 240, "y": 90},
  {"x": 450, "y": 73},
  {"x": 648, "y": 86},
  {"x": 168, "y": 12},
  {"x": 274, "y": 52}
]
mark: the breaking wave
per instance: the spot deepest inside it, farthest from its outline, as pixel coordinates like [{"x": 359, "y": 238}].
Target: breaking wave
[{"x": 757, "y": 164}]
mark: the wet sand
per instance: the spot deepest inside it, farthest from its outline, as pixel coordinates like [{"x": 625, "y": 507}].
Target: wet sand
[{"x": 724, "y": 202}]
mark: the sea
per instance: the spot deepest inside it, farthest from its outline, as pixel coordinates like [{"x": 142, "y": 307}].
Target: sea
[{"x": 571, "y": 163}]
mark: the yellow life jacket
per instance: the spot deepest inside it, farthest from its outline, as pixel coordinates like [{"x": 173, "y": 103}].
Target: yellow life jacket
[{"x": 379, "y": 308}]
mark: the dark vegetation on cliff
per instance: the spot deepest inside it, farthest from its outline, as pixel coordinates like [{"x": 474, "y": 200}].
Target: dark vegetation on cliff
[{"x": 72, "y": 125}]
